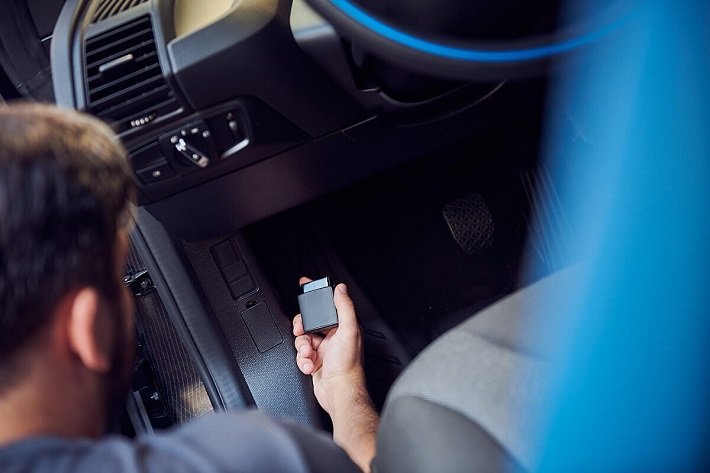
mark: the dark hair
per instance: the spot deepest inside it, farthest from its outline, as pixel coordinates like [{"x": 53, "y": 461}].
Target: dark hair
[{"x": 64, "y": 189}]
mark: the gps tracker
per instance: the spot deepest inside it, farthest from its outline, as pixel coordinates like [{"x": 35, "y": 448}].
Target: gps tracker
[{"x": 317, "y": 306}]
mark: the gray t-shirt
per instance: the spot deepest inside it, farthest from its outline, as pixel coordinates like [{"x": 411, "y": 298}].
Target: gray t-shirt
[{"x": 224, "y": 442}]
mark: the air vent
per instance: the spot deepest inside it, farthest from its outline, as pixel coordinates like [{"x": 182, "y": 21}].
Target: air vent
[
  {"x": 125, "y": 85},
  {"x": 109, "y": 8}
]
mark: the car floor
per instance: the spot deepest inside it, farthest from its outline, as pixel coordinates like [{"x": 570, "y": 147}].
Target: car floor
[{"x": 388, "y": 237}]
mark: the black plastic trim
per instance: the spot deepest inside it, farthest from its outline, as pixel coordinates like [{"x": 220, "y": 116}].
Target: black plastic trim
[
  {"x": 251, "y": 51},
  {"x": 270, "y": 370},
  {"x": 63, "y": 52},
  {"x": 232, "y": 201},
  {"x": 237, "y": 199},
  {"x": 267, "y": 132},
  {"x": 221, "y": 376}
]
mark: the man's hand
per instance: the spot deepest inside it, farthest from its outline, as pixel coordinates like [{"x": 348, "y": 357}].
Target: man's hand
[{"x": 335, "y": 363}]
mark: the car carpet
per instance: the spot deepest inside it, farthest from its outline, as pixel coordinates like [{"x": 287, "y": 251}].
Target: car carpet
[{"x": 392, "y": 233}]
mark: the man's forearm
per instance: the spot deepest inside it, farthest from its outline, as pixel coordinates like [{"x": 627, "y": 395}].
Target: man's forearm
[{"x": 355, "y": 423}]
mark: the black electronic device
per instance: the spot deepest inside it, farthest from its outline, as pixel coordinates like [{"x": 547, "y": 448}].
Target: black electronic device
[{"x": 317, "y": 306}]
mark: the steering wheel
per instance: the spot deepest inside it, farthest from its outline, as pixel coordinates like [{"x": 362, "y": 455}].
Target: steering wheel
[{"x": 473, "y": 40}]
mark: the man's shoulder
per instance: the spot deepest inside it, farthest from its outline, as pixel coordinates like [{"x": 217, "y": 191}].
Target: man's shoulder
[{"x": 235, "y": 441}]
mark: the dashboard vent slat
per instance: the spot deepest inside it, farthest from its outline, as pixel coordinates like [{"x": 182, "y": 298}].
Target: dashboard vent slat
[
  {"x": 124, "y": 82},
  {"x": 108, "y": 8}
]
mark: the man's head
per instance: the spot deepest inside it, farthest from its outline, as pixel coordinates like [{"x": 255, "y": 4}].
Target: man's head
[{"x": 64, "y": 193}]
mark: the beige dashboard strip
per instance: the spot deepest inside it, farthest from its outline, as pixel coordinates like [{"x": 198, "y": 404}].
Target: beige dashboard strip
[{"x": 191, "y": 15}]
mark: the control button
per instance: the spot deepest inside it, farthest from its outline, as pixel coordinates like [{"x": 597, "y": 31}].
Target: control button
[
  {"x": 157, "y": 173},
  {"x": 234, "y": 127},
  {"x": 242, "y": 287},
  {"x": 192, "y": 146},
  {"x": 224, "y": 254},
  {"x": 147, "y": 157},
  {"x": 239, "y": 136},
  {"x": 235, "y": 271},
  {"x": 191, "y": 153}
]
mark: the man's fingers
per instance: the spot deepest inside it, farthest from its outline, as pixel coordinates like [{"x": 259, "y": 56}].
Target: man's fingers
[
  {"x": 304, "y": 280},
  {"x": 346, "y": 309},
  {"x": 313, "y": 340},
  {"x": 301, "y": 341},
  {"x": 305, "y": 354},
  {"x": 305, "y": 365},
  {"x": 298, "y": 326},
  {"x": 308, "y": 360},
  {"x": 307, "y": 357}
]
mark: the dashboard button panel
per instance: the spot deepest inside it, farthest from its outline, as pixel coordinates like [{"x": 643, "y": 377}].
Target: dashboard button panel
[
  {"x": 194, "y": 145},
  {"x": 156, "y": 173},
  {"x": 208, "y": 144},
  {"x": 190, "y": 145}
]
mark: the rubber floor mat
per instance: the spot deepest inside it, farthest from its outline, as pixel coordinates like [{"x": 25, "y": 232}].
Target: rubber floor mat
[{"x": 470, "y": 222}]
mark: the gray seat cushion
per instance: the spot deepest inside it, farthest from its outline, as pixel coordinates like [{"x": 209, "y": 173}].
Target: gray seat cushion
[{"x": 473, "y": 400}]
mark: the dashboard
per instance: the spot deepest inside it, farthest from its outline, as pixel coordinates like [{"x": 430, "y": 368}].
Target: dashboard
[{"x": 234, "y": 110}]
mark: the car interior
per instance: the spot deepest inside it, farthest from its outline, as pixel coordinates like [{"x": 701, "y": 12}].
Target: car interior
[
  {"x": 268, "y": 145},
  {"x": 392, "y": 146}
]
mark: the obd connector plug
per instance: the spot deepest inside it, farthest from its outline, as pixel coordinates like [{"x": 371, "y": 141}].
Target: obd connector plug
[{"x": 317, "y": 306}]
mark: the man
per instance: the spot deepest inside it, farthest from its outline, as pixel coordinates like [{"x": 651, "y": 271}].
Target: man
[{"x": 66, "y": 326}]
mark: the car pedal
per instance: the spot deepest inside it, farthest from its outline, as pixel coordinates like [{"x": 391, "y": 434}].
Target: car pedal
[{"x": 470, "y": 222}]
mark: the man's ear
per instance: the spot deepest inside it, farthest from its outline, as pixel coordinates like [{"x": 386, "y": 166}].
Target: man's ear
[{"x": 87, "y": 331}]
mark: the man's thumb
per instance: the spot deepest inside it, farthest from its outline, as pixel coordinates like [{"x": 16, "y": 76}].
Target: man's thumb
[{"x": 345, "y": 307}]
